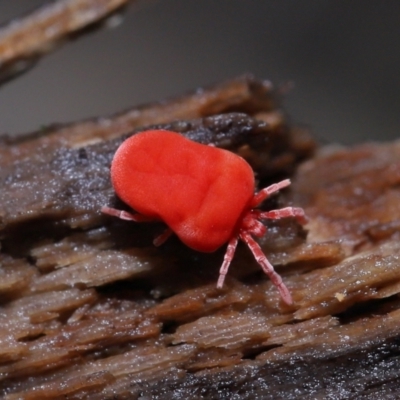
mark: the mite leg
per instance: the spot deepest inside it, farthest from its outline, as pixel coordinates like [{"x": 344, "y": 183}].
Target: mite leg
[
  {"x": 160, "y": 239},
  {"x": 125, "y": 215},
  {"x": 266, "y": 192},
  {"x": 230, "y": 251},
  {"x": 295, "y": 212},
  {"x": 267, "y": 267}
]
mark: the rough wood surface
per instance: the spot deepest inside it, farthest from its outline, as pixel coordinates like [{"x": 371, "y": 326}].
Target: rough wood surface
[
  {"x": 90, "y": 309},
  {"x": 88, "y": 304},
  {"x": 245, "y": 94}
]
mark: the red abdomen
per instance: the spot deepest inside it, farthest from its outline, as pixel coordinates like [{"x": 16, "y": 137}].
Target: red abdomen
[{"x": 199, "y": 191}]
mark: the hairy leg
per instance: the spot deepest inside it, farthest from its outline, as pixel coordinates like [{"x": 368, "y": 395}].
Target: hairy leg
[
  {"x": 267, "y": 267},
  {"x": 295, "y": 212},
  {"x": 125, "y": 215},
  {"x": 266, "y": 192},
  {"x": 230, "y": 251}
]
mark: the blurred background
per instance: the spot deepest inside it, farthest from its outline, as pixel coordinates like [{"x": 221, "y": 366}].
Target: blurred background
[{"x": 343, "y": 58}]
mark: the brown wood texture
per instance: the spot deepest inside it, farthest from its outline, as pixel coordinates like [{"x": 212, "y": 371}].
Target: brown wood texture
[{"x": 89, "y": 308}]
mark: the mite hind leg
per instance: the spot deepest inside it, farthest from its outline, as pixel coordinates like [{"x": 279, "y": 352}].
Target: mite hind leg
[
  {"x": 267, "y": 267},
  {"x": 230, "y": 252}
]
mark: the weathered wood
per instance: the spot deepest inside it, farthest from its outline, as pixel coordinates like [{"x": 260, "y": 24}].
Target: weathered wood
[
  {"x": 71, "y": 185},
  {"x": 167, "y": 332},
  {"x": 90, "y": 309},
  {"x": 243, "y": 94},
  {"x": 75, "y": 293}
]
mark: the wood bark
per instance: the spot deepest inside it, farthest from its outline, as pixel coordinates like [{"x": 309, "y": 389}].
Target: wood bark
[{"x": 89, "y": 308}]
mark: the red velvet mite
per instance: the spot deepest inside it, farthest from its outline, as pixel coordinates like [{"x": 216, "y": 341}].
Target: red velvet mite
[{"x": 204, "y": 194}]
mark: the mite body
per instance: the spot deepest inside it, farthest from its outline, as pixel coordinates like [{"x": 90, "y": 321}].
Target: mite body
[{"x": 205, "y": 195}]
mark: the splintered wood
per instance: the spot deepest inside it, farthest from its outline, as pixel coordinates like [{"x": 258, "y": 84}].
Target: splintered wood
[{"x": 90, "y": 308}]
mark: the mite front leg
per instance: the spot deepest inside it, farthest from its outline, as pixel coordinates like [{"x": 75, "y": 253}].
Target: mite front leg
[
  {"x": 125, "y": 215},
  {"x": 295, "y": 212},
  {"x": 266, "y": 192}
]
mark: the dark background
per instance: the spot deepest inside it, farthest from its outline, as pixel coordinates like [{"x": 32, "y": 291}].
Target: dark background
[{"x": 342, "y": 56}]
